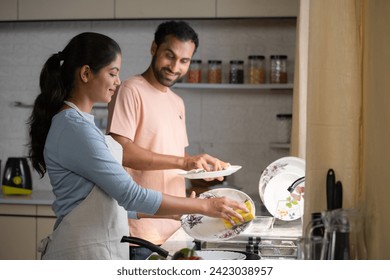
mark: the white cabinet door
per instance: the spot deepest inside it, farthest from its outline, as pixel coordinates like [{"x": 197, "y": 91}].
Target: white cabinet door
[
  {"x": 257, "y": 8},
  {"x": 21, "y": 229},
  {"x": 8, "y": 10},
  {"x": 69, "y": 9},
  {"x": 17, "y": 238},
  {"x": 164, "y": 9}
]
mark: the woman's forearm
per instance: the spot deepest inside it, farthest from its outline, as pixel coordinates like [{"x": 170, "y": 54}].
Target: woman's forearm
[{"x": 220, "y": 207}]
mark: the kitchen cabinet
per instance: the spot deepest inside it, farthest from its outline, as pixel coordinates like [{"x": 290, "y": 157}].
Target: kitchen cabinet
[
  {"x": 22, "y": 228},
  {"x": 257, "y": 8},
  {"x": 12, "y": 10},
  {"x": 8, "y": 10},
  {"x": 164, "y": 9},
  {"x": 70, "y": 9}
]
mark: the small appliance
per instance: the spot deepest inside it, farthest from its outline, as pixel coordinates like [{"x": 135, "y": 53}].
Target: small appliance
[{"x": 17, "y": 177}]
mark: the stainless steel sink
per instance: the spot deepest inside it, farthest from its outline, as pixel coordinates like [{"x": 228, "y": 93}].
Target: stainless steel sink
[{"x": 279, "y": 242}]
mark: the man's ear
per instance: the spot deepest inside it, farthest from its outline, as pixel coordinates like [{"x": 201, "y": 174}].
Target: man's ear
[
  {"x": 153, "y": 48},
  {"x": 85, "y": 73}
]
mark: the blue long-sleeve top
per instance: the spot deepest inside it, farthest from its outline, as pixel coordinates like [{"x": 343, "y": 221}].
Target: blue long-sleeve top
[{"x": 77, "y": 158}]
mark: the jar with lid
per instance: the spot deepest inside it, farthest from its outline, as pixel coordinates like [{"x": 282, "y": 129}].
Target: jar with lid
[
  {"x": 195, "y": 71},
  {"x": 278, "y": 73},
  {"x": 214, "y": 73},
  {"x": 236, "y": 74},
  {"x": 284, "y": 122},
  {"x": 256, "y": 69}
]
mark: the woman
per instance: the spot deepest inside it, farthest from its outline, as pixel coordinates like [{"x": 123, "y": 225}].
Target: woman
[{"x": 92, "y": 189}]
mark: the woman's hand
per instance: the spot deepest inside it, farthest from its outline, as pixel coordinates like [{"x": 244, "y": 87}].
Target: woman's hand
[
  {"x": 218, "y": 207},
  {"x": 222, "y": 207}
]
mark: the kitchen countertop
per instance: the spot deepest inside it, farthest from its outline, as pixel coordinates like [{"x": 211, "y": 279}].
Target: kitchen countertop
[{"x": 36, "y": 198}]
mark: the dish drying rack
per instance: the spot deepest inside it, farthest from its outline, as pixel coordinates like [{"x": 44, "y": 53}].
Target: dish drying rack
[
  {"x": 279, "y": 241},
  {"x": 265, "y": 247}
]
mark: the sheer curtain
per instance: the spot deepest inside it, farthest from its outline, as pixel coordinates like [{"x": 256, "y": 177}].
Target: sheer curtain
[{"x": 341, "y": 120}]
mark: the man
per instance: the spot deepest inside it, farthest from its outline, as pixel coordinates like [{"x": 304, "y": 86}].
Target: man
[{"x": 148, "y": 119}]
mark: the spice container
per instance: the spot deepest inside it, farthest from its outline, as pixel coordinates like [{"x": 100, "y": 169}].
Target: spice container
[
  {"x": 195, "y": 72},
  {"x": 236, "y": 74},
  {"x": 278, "y": 73},
  {"x": 284, "y": 128},
  {"x": 214, "y": 73},
  {"x": 256, "y": 69}
]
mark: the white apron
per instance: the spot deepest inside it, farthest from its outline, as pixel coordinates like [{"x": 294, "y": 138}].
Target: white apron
[{"x": 93, "y": 229}]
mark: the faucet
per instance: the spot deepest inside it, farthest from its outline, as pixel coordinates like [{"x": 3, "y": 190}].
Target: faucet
[{"x": 295, "y": 184}]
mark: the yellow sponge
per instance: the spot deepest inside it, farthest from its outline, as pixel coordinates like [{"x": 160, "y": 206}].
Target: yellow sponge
[{"x": 247, "y": 216}]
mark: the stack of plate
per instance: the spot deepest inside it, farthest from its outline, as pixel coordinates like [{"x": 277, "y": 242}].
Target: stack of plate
[{"x": 273, "y": 185}]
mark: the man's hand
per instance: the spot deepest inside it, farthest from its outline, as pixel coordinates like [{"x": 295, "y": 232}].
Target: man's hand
[{"x": 206, "y": 162}]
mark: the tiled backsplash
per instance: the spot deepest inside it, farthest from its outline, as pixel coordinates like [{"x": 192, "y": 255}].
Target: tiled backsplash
[{"x": 236, "y": 126}]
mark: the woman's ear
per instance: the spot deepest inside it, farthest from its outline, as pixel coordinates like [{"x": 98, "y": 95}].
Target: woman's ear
[{"x": 85, "y": 73}]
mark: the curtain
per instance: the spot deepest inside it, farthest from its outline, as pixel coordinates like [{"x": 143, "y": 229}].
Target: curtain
[
  {"x": 341, "y": 120},
  {"x": 376, "y": 127}
]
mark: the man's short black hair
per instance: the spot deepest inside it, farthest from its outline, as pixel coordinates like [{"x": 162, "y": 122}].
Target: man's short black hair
[{"x": 180, "y": 29}]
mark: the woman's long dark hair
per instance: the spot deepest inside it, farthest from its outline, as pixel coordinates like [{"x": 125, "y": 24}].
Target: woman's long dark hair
[{"x": 57, "y": 81}]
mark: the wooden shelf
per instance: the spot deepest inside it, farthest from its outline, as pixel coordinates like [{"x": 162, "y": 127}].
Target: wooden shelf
[
  {"x": 277, "y": 145},
  {"x": 233, "y": 86}
]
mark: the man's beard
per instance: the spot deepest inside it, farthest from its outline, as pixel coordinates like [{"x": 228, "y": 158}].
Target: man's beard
[{"x": 160, "y": 75}]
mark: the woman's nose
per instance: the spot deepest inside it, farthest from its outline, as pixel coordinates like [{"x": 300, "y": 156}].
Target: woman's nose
[{"x": 118, "y": 81}]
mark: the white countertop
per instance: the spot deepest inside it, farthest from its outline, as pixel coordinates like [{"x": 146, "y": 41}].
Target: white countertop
[{"x": 36, "y": 198}]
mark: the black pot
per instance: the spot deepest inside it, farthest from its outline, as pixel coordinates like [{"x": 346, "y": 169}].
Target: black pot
[{"x": 142, "y": 242}]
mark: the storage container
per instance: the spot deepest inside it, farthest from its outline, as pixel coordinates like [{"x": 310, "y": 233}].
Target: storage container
[
  {"x": 214, "y": 73},
  {"x": 236, "y": 73},
  {"x": 256, "y": 71},
  {"x": 278, "y": 71},
  {"x": 195, "y": 72}
]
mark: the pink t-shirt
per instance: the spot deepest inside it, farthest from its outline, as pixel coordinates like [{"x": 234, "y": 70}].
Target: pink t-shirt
[{"x": 154, "y": 120}]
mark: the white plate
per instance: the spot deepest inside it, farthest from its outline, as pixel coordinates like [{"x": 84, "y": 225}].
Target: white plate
[
  {"x": 206, "y": 228},
  {"x": 286, "y": 164},
  {"x": 200, "y": 174},
  {"x": 219, "y": 255},
  {"x": 279, "y": 201}
]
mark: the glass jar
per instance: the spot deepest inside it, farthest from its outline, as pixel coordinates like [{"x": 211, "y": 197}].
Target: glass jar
[
  {"x": 284, "y": 127},
  {"x": 195, "y": 72},
  {"x": 214, "y": 73},
  {"x": 236, "y": 74},
  {"x": 256, "y": 69},
  {"x": 278, "y": 73}
]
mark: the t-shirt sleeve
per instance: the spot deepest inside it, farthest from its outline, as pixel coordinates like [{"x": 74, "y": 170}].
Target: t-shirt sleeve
[{"x": 123, "y": 112}]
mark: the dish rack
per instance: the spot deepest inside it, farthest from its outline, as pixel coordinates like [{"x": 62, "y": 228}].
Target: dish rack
[
  {"x": 265, "y": 247},
  {"x": 269, "y": 238}
]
